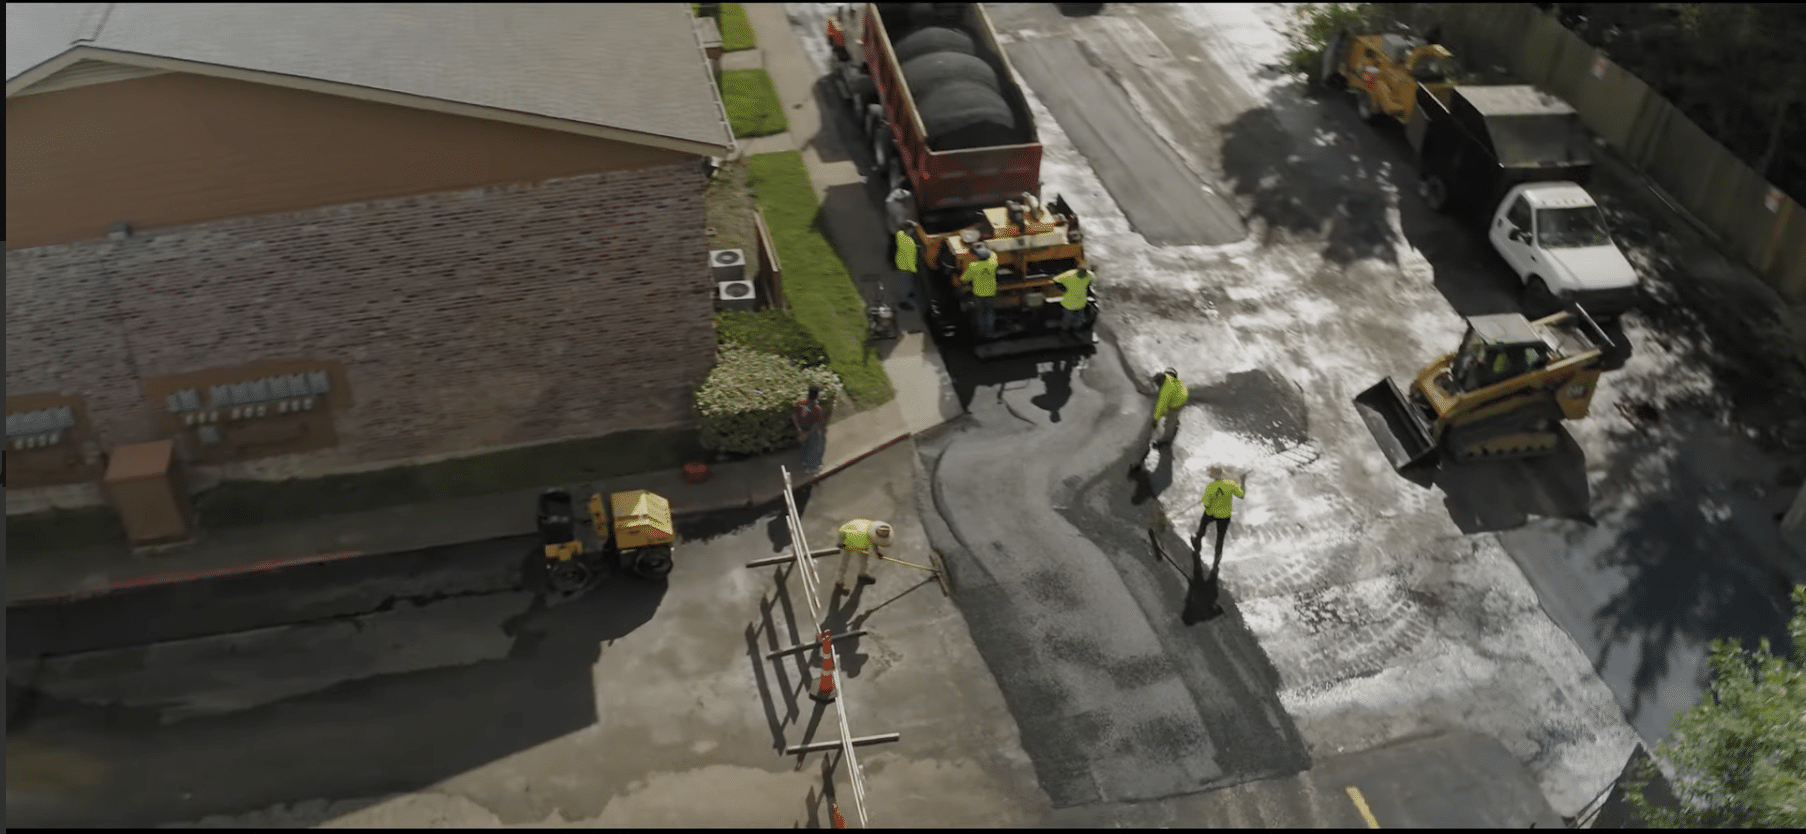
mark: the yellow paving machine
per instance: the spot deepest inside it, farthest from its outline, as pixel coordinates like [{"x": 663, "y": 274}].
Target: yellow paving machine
[
  {"x": 1502, "y": 394},
  {"x": 631, "y": 531}
]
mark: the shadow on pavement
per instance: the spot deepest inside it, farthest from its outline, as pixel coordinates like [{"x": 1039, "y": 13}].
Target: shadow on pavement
[
  {"x": 359, "y": 738},
  {"x": 1335, "y": 185},
  {"x": 1489, "y": 496},
  {"x": 1332, "y": 185},
  {"x": 341, "y": 588},
  {"x": 968, "y": 374},
  {"x": 1690, "y": 557}
]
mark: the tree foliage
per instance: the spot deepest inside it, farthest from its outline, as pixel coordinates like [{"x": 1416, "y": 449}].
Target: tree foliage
[
  {"x": 1735, "y": 69},
  {"x": 1314, "y": 25},
  {"x": 1739, "y": 758}
]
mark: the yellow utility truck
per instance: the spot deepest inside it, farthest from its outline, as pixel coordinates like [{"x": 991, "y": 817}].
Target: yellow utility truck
[{"x": 1382, "y": 72}]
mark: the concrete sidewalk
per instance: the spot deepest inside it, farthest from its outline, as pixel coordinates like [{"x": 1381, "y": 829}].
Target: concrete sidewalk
[{"x": 856, "y": 229}]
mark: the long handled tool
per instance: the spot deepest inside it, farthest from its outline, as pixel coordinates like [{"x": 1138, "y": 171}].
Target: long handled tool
[
  {"x": 1209, "y": 588},
  {"x": 939, "y": 570}
]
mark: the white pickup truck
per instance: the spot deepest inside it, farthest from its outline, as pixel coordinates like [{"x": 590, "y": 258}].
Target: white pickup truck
[{"x": 1554, "y": 237}]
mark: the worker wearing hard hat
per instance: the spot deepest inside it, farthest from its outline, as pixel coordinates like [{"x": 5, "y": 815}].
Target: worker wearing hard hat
[
  {"x": 1173, "y": 394},
  {"x": 981, "y": 273},
  {"x": 864, "y": 537},
  {"x": 1074, "y": 285}
]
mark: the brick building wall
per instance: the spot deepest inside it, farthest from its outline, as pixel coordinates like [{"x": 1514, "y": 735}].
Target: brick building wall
[{"x": 466, "y": 321}]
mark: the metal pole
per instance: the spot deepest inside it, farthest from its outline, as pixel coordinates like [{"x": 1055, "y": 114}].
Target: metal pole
[
  {"x": 823, "y": 746},
  {"x": 813, "y": 644},
  {"x": 791, "y": 557}
]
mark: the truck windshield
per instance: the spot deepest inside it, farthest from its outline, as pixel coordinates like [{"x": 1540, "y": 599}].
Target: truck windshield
[
  {"x": 1569, "y": 227},
  {"x": 1536, "y": 140}
]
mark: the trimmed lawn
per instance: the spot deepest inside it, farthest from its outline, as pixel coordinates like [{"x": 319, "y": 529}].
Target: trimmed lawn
[
  {"x": 736, "y": 29},
  {"x": 753, "y": 106},
  {"x": 816, "y": 282}
]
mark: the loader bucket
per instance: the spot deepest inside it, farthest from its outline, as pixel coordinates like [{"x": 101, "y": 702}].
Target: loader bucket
[{"x": 1400, "y": 430}]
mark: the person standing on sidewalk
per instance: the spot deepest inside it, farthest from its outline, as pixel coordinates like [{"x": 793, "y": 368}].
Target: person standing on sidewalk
[
  {"x": 981, "y": 273},
  {"x": 1074, "y": 285},
  {"x": 864, "y": 537},
  {"x": 1219, "y": 503},
  {"x": 811, "y": 429}
]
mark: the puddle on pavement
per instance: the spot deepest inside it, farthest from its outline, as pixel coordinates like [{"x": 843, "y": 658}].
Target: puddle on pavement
[{"x": 1257, "y": 405}]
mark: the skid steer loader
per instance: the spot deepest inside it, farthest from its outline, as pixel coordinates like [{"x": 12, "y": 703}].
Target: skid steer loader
[{"x": 1501, "y": 394}]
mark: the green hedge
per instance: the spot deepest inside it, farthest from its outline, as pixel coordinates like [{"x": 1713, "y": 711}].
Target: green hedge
[
  {"x": 771, "y": 331},
  {"x": 821, "y": 293},
  {"x": 753, "y": 106},
  {"x": 745, "y": 401}
]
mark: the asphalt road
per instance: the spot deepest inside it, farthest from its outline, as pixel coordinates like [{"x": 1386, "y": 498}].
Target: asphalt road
[
  {"x": 1118, "y": 697},
  {"x": 1642, "y": 540},
  {"x": 1165, "y": 200}
]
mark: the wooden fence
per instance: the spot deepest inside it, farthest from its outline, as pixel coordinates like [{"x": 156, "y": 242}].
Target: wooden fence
[{"x": 1763, "y": 227}]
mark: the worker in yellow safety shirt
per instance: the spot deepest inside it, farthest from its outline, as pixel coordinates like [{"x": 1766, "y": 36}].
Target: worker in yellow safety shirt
[
  {"x": 1219, "y": 503},
  {"x": 903, "y": 247},
  {"x": 1074, "y": 285},
  {"x": 1172, "y": 395},
  {"x": 981, "y": 273},
  {"x": 864, "y": 537}
]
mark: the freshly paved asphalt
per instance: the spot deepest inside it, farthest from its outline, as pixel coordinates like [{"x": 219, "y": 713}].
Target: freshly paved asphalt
[
  {"x": 1118, "y": 697},
  {"x": 1166, "y": 202}
]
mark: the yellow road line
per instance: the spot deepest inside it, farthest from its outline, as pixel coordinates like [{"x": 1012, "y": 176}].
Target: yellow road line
[{"x": 1360, "y": 804}]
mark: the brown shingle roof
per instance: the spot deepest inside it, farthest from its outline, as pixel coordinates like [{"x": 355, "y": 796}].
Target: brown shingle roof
[{"x": 634, "y": 67}]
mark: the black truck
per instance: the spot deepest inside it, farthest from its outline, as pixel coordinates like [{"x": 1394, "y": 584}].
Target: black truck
[{"x": 1474, "y": 144}]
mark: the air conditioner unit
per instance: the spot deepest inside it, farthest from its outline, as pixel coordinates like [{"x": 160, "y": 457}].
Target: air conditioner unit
[
  {"x": 736, "y": 295},
  {"x": 728, "y": 264}
]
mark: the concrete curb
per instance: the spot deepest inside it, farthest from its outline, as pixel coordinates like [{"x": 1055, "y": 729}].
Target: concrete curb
[{"x": 752, "y": 500}]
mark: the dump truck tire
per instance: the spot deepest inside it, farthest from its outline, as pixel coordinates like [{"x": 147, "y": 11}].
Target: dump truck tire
[
  {"x": 927, "y": 73},
  {"x": 967, "y": 114},
  {"x": 934, "y": 39}
]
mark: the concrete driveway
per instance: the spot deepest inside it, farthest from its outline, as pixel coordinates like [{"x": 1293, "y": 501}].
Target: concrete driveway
[{"x": 641, "y": 704}]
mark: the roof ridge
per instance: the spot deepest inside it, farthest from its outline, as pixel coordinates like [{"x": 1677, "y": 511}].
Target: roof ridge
[{"x": 104, "y": 11}]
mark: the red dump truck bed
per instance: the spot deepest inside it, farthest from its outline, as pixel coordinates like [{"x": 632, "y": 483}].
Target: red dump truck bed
[{"x": 971, "y": 177}]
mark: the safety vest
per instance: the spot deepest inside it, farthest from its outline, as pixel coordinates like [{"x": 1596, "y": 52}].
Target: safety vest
[
  {"x": 982, "y": 275},
  {"x": 1218, "y": 500},
  {"x": 906, "y": 251},
  {"x": 1172, "y": 395},
  {"x": 856, "y": 535},
  {"x": 1073, "y": 285}
]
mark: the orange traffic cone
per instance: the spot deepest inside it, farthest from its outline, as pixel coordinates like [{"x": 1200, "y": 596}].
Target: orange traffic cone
[
  {"x": 825, "y": 692},
  {"x": 839, "y": 821}
]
